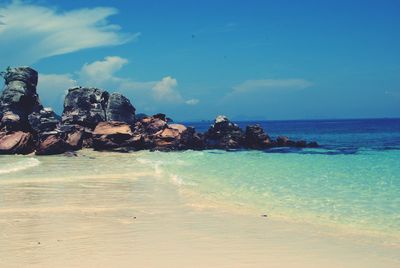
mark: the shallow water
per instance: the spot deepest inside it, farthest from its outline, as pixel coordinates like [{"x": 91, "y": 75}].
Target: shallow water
[{"x": 124, "y": 210}]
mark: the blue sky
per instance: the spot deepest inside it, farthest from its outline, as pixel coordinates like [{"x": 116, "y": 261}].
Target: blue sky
[{"x": 196, "y": 59}]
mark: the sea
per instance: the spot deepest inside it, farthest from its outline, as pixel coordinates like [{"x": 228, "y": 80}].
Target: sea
[{"x": 352, "y": 181}]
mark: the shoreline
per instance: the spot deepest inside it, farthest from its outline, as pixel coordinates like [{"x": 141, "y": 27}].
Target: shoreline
[{"x": 144, "y": 219}]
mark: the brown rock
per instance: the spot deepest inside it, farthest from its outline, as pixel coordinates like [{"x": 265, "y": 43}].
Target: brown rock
[
  {"x": 169, "y": 133},
  {"x": 16, "y": 143},
  {"x": 75, "y": 139},
  {"x": 112, "y": 128},
  {"x": 114, "y": 135},
  {"x": 179, "y": 127},
  {"x": 53, "y": 144}
]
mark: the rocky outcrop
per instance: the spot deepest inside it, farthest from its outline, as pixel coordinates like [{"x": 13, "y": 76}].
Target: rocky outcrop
[
  {"x": 43, "y": 121},
  {"x": 18, "y": 99},
  {"x": 85, "y": 106},
  {"x": 256, "y": 138},
  {"x": 119, "y": 108},
  {"x": 224, "y": 134},
  {"x": 93, "y": 118}
]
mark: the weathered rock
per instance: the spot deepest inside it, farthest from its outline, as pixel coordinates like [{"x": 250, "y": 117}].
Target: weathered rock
[
  {"x": 43, "y": 121},
  {"x": 152, "y": 125},
  {"x": 16, "y": 143},
  {"x": 256, "y": 138},
  {"x": 112, "y": 128},
  {"x": 119, "y": 108},
  {"x": 11, "y": 121},
  {"x": 19, "y": 97},
  {"x": 224, "y": 134},
  {"x": 24, "y": 74},
  {"x": 75, "y": 139},
  {"x": 190, "y": 139},
  {"x": 181, "y": 128},
  {"x": 114, "y": 135},
  {"x": 52, "y": 144},
  {"x": 85, "y": 106}
]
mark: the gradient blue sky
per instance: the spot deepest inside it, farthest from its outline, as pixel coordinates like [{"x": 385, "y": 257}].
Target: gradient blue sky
[{"x": 197, "y": 59}]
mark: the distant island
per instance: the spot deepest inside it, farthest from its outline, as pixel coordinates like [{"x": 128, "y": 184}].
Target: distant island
[{"x": 94, "y": 118}]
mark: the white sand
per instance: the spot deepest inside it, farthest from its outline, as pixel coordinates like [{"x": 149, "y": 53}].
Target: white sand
[{"x": 91, "y": 222}]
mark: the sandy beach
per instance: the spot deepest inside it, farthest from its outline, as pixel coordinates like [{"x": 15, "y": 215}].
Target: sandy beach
[{"x": 142, "y": 220}]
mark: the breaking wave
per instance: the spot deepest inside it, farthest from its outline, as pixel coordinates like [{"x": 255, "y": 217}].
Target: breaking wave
[{"x": 21, "y": 164}]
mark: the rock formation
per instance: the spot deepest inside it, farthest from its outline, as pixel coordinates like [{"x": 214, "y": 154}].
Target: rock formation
[
  {"x": 119, "y": 108},
  {"x": 93, "y": 118},
  {"x": 85, "y": 106},
  {"x": 256, "y": 138},
  {"x": 19, "y": 98},
  {"x": 224, "y": 134}
]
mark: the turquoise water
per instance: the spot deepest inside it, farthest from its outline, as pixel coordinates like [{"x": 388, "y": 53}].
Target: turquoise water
[
  {"x": 352, "y": 181},
  {"x": 361, "y": 190}
]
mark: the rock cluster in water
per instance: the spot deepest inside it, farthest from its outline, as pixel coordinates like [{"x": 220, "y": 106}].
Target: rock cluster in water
[{"x": 93, "y": 118}]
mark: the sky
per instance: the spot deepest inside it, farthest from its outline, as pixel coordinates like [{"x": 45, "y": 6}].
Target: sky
[{"x": 194, "y": 60}]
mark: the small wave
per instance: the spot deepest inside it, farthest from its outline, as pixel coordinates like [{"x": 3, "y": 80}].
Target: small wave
[
  {"x": 19, "y": 165},
  {"x": 175, "y": 179}
]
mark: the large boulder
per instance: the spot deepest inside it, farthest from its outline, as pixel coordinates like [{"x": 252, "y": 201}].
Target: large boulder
[
  {"x": 256, "y": 138},
  {"x": 85, "y": 106},
  {"x": 76, "y": 136},
  {"x": 19, "y": 98},
  {"x": 115, "y": 136},
  {"x": 18, "y": 142},
  {"x": 152, "y": 125},
  {"x": 224, "y": 134},
  {"x": 52, "y": 144},
  {"x": 190, "y": 139},
  {"x": 119, "y": 108}
]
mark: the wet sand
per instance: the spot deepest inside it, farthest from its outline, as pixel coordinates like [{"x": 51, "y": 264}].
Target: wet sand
[{"x": 145, "y": 221}]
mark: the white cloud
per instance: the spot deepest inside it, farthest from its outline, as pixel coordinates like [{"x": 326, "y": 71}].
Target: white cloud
[
  {"x": 103, "y": 74},
  {"x": 33, "y": 32},
  {"x": 100, "y": 72},
  {"x": 164, "y": 90},
  {"x": 272, "y": 84}
]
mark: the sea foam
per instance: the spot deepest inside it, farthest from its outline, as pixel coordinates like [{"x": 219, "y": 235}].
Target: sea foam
[{"x": 21, "y": 164}]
